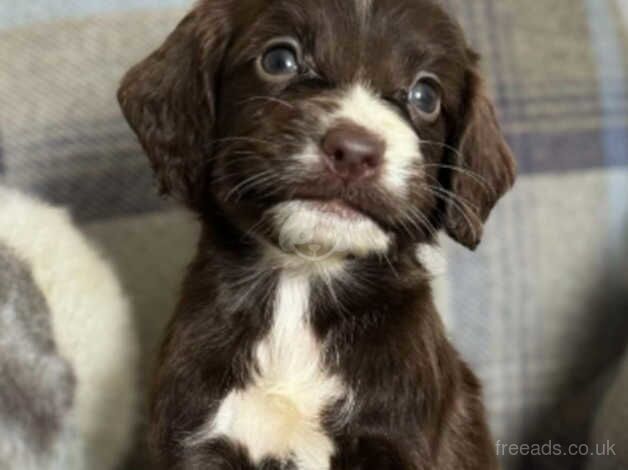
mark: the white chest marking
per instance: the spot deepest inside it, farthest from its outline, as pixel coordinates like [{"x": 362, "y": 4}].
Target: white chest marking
[
  {"x": 364, "y": 9},
  {"x": 279, "y": 414}
]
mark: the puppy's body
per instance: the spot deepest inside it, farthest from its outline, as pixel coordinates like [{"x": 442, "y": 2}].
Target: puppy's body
[
  {"x": 286, "y": 365},
  {"x": 320, "y": 143}
]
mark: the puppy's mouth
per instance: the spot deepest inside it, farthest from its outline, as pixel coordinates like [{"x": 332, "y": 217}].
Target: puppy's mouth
[
  {"x": 356, "y": 203},
  {"x": 316, "y": 229},
  {"x": 337, "y": 208}
]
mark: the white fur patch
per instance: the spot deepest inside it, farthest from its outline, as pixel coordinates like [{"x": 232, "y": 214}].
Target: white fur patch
[
  {"x": 365, "y": 108},
  {"x": 364, "y": 8},
  {"x": 301, "y": 223},
  {"x": 279, "y": 414},
  {"x": 91, "y": 321},
  {"x": 433, "y": 260}
]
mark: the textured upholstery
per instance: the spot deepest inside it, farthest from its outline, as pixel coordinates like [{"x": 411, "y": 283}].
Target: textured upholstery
[{"x": 534, "y": 310}]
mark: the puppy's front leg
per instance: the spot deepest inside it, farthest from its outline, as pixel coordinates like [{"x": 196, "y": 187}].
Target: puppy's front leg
[
  {"x": 370, "y": 452},
  {"x": 219, "y": 454},
  {"x": 182, "y": 403}
]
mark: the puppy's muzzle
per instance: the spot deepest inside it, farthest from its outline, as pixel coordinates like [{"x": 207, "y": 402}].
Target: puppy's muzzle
[{"x": 352, "y": 153}]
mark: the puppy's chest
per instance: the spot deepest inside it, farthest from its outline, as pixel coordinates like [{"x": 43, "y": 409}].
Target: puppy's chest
[{"x": 279, "y": 414}]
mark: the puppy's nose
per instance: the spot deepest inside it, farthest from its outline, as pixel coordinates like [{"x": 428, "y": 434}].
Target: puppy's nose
[{"x": 352, "y": 152}]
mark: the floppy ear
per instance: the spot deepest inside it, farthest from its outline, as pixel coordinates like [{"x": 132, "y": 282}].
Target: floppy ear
[
  {"x": 486, "y": 166},
  {"x": 168, "y": 99}
]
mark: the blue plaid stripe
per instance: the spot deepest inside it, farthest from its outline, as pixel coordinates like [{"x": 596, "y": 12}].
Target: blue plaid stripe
[
  {"x": 2, "y": 165},
  {"x": 507, "y": 347},
  {"x": 14, "y": 13},
  {"x": 608, "y": 53},
  {"x": 560, "y": 86},
  {"x": 592, "y": 110},
  {"x": 562, "y": 122}
]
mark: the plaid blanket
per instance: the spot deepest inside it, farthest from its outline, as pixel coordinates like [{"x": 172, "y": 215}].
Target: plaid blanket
[{"x": 536, "y": 310}]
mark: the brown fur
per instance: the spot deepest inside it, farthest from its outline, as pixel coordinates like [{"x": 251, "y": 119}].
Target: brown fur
[{"x": 417, "y": 404}]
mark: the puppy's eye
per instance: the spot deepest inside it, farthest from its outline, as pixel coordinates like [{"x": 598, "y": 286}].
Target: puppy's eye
[
  {"x": 280, "y": 61},
  {"x": 425, "y": 97}
]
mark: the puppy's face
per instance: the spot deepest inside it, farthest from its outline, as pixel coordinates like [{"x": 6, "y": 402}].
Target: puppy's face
[{"x": 350, "y": 126}]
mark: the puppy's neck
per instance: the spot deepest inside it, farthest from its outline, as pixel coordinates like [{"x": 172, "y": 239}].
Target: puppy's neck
[
  {"x": 416, "y": 266},
  {"x": 238, "y": 256}
]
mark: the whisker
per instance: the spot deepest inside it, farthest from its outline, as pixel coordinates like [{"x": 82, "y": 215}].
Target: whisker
[
  {"x": 247, "y": 181},
  {"x": 263, "y": 183},
  {"x": 241, "y": 139},
  {"x": 270, "y": 183},
  {"x": 462, "y": 200},
  {"x": 268, "y": 98},
  {"x": 421, "y": 222},
  {"x": 458, "y": 203},
  {"x": 261, "y": 222},
  {"x": 463, "y": 170}
]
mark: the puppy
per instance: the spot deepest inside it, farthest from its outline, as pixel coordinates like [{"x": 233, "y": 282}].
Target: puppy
[{"x": 321, "y": 142}]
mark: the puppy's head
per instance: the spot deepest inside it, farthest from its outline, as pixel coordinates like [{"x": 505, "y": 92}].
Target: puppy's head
[{"x": 351, "y": 125}]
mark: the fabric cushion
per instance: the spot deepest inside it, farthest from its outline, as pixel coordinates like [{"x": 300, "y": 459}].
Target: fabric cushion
[{"x": 524, "y": 308}]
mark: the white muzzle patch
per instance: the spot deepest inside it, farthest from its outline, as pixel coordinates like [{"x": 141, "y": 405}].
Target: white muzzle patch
[
  {"x": 361, "y": 106},
  {"x": 314, "y": 235}
]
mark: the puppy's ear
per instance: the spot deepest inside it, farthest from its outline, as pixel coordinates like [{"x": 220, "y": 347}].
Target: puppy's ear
[
  {"x": 486, "y": 166},
  {"x": 169, "y": 100}
]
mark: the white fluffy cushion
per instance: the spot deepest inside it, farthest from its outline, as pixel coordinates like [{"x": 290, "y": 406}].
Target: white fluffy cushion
[{"x": 91, "y": 322}]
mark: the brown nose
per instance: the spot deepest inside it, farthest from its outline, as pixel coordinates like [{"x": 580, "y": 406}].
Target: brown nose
[{"x": 352, "y": 152}]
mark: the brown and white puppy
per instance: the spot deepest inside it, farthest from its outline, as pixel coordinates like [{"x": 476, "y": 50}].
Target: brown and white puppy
[{"x": 321, "y": 142}]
